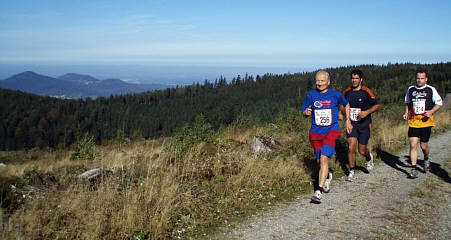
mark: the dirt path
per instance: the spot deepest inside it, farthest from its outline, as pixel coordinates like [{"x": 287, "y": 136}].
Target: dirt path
[{"x": 382, "y": 205}]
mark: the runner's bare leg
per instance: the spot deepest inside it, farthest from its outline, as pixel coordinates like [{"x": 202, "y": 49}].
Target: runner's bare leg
[
  {"x": 323, "y": 170},
  {"x": 413, "y": 141},
  {"x": 352, "y": 143}
]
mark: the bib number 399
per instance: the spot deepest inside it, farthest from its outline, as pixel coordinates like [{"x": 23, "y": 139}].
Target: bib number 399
[{"x": 323, "y": 117}]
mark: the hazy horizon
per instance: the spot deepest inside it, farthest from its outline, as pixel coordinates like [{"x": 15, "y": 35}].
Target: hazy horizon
[
  {"x": 180, "y": 42},
  {"x": 170, "y": 75}
]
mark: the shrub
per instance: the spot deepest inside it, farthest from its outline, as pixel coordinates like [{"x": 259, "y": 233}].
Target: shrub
[
  {"x": 202, "y": 130},
  {"x": 120, "y": 140},
  {"x": 36, "y": 178},
  {"x": 187, "y": 137},
  {"x": 8, "y": 199},
  {"x": 291, "y": 120},
  {"x": 243, "y": 121},
  {"x": 84, "y": 148}
]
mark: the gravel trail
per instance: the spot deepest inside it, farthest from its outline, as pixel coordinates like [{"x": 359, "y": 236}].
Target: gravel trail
[{"x": 378, "y": 205}]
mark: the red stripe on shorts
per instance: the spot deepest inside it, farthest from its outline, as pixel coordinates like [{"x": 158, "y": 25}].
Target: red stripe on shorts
[{"x": 318, "y": 140}]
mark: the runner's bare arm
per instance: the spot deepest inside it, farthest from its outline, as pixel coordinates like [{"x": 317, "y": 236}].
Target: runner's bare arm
[
  {"x": 348, "y": 118},
  {"x": 406, "y": 113},
  {"x": 429, "y": 113},
  {"x": 341, "y": 110},
  {"x": 367, "y": 112}
]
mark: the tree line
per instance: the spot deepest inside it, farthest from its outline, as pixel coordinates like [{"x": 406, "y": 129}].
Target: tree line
[{"x": 29, "y": 121}]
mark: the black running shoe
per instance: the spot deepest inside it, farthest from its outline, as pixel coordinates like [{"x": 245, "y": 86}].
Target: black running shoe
[
  {"x": 427, "y": 165},
  {"x": 413, "y": 173}
]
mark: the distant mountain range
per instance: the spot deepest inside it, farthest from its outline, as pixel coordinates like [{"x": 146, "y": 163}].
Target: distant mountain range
[{"x": 73, "y": 85}]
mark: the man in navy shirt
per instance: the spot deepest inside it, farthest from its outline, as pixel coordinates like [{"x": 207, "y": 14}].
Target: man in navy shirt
[
  {"x": 362, "y": 104},
  {"x": 321, "y": 105}
]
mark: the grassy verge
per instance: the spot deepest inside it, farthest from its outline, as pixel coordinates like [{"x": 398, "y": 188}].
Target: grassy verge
[{"x": 181, "y": 187}]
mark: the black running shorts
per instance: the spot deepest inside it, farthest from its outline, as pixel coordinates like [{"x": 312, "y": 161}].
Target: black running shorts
[
  {"x": 422, "y": 133},
  {"x": 361, "y": 131}
]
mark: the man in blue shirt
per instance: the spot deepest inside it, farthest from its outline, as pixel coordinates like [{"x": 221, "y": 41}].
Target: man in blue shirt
[{"x": 321, "y": 105}]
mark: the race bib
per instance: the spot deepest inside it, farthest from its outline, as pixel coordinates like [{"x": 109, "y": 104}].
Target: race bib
[
  {"x": 355, "y": 114},
  {"x": 323, "y": 117},
  {"x": 419, "y": 106}
]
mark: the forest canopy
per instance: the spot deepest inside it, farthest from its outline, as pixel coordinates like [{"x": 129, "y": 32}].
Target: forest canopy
[{"x": 29, "y": 121}]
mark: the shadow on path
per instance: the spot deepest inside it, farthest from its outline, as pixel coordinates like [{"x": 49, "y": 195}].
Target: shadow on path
[
  {"x": 392, "y": 161},
  {"x": 341, "y": 151},
  {"x": 440, "y": 172}
]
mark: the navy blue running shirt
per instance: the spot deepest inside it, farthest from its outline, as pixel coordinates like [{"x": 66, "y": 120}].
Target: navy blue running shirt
[{"x": 360, "y": 100}]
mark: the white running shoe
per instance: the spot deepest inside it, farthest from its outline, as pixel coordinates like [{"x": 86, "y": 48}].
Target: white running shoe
[
  {"x": 370, "y": 163},
  {"x": 326, "y": 186},
  {"x": 350, "y": 176},
  {"x": 316, "y": 198}
]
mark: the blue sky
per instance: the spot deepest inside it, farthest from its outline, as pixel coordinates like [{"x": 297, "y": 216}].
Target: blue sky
[{"x": 285, "y": 34}]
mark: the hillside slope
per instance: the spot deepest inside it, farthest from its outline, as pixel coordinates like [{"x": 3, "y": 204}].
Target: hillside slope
[
  {"x": 31, "y": 121},
  {"x": 73, "y": 85}
]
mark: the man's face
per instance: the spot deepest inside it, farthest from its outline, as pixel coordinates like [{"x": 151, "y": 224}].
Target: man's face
[
  {"x": 321, "y": 81},
  {"x": 421, "y": 79},
  {"x": 356, "y": 80}
]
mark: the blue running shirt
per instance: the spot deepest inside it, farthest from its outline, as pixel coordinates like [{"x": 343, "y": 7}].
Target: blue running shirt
[{"x": 324, "y": 109}]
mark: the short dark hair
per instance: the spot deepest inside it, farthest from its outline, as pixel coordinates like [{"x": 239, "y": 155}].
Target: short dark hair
[
  {"x": 421, "y": 70},
  {"x": 357, "y": 72}
]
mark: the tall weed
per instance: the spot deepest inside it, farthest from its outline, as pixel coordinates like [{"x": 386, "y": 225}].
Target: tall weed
[{"x": 85, "y": 148}]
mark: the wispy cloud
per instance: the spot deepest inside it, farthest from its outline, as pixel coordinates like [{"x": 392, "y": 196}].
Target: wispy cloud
[
  {"x": 217, "y": 32},
  {"x": 104, "y": 36},
  {"x": 148, "y": 25}
]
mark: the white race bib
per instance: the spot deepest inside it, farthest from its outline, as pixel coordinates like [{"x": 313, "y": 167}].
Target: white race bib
[
  {"x": 323, "y": 117},
  {"x": 419, "y": 106},
  {"x": 355, "y": 114}
]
